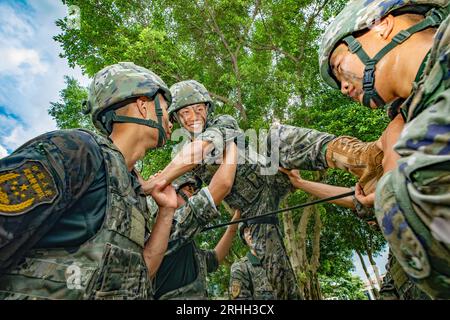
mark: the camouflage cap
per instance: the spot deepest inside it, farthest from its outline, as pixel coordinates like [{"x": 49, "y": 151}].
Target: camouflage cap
[
  {"x": 242, "y": 227},
  {"x": 359, "y": 15},
  {"x": 119, "y": 82},
  {"x": 186, "y": 93},
  {"x": 185, "y": 179}
]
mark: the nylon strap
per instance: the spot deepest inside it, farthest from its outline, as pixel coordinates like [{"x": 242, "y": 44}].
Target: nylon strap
[
  {"x": 111, "y": 117},
  {"x": 370, "y": 93},
  {"x": 347, "y": 194}
]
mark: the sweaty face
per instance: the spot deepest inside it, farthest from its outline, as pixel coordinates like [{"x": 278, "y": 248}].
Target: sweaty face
[
  {"x": 193, "y": 118},
  {"x": 248, "y": 237},
  {"x": 189, "y": 191},
  {"x": 349, "y": 71},
  {"x": 151, "y": 132}
]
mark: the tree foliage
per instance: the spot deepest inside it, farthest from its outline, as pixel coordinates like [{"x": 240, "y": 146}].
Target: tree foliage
[{"x": 259, "y": 60}]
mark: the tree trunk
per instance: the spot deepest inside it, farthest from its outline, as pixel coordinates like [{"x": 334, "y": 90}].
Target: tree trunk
[
  {"x": 305, "y": 267},
  {"x": 374, "y": 265},
  {"x": 315, "y": 256},
  {"x": 363, "y": 264},
  {"x": 303, "y": 259},
  {"x": 291, "y": 243}
]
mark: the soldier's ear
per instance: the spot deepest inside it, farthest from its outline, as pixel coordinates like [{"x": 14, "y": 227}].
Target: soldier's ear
[
  {"x": 142, "y": 106},
  {"x": 384, "y": 27}
]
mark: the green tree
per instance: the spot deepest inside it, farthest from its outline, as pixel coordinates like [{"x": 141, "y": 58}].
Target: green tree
[
  {"x": 259, "y": 59},
  {"x": 68, "y": 112}
]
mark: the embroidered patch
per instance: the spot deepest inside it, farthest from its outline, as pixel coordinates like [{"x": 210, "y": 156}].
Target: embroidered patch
[
  {"x": 235, "y": 289},
  {"x": 25, "y": 187}
]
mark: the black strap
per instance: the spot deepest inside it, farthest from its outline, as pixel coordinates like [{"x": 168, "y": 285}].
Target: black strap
[
  {"x": 434, "y": 18},
  {"x": 111, "y": 117},
  {"x": 159, "y": 114},
  {"x": 340, "y": 196},
  {"x": 183, "y": 195}
]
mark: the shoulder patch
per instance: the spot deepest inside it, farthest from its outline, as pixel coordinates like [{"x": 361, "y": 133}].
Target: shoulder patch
[
  {"x": 25, "y": 187},
  {"x": 235, "y": 289}
]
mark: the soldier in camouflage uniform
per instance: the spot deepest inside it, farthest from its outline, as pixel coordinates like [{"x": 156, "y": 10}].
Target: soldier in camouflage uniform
[
  {"x": 252, "y": 193},
  {"x": 411, "y": 202},
  {"x": 74, "y": 221},
  {"x": 182, "y": 274},
  {"x": 248, "y": 279}
]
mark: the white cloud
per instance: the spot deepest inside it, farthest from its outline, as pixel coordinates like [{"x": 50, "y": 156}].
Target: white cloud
[
  {"x": 17, "y": 30},
  {"x": 31, "y": 71},
  {"x": 3, "y": 152},
  {"x": 21, "y": 61}
]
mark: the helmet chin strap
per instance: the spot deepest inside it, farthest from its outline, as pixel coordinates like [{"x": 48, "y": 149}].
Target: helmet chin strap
[
  {"x": 111, "y": 117},
  {"x": 183, "y": 195},
  {"x": 433, "y": 19}
]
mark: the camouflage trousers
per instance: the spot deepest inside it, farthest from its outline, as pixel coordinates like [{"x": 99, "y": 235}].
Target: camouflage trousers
[
  {"x": 300, "y": 148},
  {"x": 309, "y": 149},
  {"x": 412, "y": 202},
  {"x": 270, "y": 249},
  {"x": 397, "y": 286}
]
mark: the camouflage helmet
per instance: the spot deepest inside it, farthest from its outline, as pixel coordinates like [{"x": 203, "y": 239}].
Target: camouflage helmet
[
  {"x": 359, "y": 15},
  {"x": 242, "y": 227},
  {"x": 118, "y": 85},
  {"x": 186, "y": 179},
  {"x": 187, "y": 93}
]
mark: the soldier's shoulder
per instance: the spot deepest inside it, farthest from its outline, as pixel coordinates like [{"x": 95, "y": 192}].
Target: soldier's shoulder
[
  {"x": 441, "y": 41},
  {"x": 225, "y": 120},
  {"x": 70, "y": 136},
  {"x": 76, "y": 145},
  {"x": 239, "y": 264}
]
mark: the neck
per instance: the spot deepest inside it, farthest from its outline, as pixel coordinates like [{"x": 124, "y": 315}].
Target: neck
[
  {"x": 408, "y": 64},
  {"x": 131, "y": 147}
]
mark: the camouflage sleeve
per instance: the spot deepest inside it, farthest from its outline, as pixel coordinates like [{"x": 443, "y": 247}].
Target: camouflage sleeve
[
  {"x": 300, "y": 148},
  {"x": 192, "y": 217},
  {"x": 412, "y": 201},
  {"x": 219, "y": 131},
  {"x": 240, "y": 284},
  {"x": 38, "y": 183}
]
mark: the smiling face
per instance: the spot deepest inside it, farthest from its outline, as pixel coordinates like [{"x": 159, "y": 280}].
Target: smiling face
[{"x": 193, "y": 117}]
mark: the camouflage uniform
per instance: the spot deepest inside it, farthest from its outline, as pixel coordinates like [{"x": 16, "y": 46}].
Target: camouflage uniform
[
  {"x": 189, "y": 220},
  {"x": 53, "y": 181},
  {"x": 248, "y": 280},
  {"x": 412, "y": 205},
  {"x": 309, "y": 149},
  {"x": 254, "y": 194},
  {"x": 397, "y": 286}
]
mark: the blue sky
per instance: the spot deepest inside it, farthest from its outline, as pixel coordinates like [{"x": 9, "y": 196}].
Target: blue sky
[{"x": 31, "y": 72}]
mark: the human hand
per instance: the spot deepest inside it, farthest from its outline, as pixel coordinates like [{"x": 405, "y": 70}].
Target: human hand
[
  {"x": 365, "y": 200},
  {"x": 236, "y": 216},
  {"x": 164, "y": 195},
  {"x": 293, "y": 175},
  {"x": 149, "y": 185}
]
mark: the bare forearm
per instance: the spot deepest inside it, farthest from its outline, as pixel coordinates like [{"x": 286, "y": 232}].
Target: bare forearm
[
  {"x": 156, "y": 246},
  {"x": 321, "y": 190},
  {"x": 186, "y": 160},
  {"x": 223, "y": 247},
  {"x": 222, "y": 181},
  {"x": 388, "y": 139}
]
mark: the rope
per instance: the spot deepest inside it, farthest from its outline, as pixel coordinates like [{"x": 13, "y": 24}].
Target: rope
[{"x": 340, "y": 196}]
